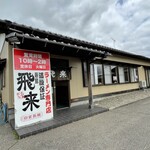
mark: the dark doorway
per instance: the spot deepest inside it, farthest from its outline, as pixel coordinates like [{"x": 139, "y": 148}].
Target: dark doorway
[
  {"x": 60, "y": 80},
  {"x": 62, "y": 94}
]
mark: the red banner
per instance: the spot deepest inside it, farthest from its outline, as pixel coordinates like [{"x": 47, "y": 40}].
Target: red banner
[{"x": 31, "y": 60}]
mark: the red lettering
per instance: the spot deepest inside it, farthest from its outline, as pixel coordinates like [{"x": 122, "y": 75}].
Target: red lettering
[{"x": 48, "y": 110}]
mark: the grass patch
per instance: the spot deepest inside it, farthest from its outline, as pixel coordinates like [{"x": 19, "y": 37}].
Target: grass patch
[{"x": 15, "y": 135}]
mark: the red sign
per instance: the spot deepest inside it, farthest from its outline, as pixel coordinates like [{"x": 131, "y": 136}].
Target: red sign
[{"x": 31, "y": 60}]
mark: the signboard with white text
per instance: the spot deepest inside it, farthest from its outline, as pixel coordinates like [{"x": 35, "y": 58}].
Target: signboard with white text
[{"x": 32, "y": 87}]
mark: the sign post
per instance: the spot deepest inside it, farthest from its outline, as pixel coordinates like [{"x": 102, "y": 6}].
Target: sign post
[{"x": 32, "y": 87}]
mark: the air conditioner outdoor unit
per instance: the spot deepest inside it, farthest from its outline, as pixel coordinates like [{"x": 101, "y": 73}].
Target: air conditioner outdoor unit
[{"x": 142, "y": 84}]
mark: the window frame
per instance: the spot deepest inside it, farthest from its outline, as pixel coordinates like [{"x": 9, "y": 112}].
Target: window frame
[
  {"x": 109, "y": 74},
  {"x": 117, "y": 65},
  {"x": 136, "y": 74},
  {"x": 2, "y": 78},
  {"x": 116, "y": 74},
  {"x": 94, "y": 77}
]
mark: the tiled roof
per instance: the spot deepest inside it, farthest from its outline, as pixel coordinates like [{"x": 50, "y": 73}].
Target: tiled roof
[{"x": 8, "y": 27}]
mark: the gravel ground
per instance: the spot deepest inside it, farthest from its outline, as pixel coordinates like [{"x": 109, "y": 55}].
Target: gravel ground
[{"x": 118, "y": 100}]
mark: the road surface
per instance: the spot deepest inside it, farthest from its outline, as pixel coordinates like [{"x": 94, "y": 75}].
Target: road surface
[{"x": 124, "y": 128}]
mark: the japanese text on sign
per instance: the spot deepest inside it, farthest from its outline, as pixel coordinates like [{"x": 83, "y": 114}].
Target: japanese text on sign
[{"x": 32, "y": 87}]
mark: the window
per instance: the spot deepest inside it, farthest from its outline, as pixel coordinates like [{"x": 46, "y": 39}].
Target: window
[
  {"x": 96, "y": 74},
  {"x": 114, "y": 73},
  {"x": 107, "y": 74},
  {"x": 123, "y": 74},
  {"x": 99, "y": 74},
  {"x": 126, "y": 74},
  {"x": 133, "y": 74},
  {"x": 2, "y": 79},
  {"x": 110, "y": 74}
]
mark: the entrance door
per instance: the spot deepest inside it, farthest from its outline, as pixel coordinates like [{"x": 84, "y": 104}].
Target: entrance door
[
  {"x": 62, "y": 94},
  {"x": 60, "y": 74}
]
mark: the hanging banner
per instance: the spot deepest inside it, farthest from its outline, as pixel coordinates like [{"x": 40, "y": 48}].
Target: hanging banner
[{"x": 32, "y": 87}]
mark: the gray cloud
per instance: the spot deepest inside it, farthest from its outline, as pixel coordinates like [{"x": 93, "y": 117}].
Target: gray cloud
[{"x": 126, "y": 22}]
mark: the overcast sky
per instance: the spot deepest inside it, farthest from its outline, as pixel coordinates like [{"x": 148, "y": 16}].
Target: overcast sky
[{"x": 121, "y": 24}]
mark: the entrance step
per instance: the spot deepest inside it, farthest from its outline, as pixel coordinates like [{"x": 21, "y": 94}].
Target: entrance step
[{"x": 61, "y": 117}]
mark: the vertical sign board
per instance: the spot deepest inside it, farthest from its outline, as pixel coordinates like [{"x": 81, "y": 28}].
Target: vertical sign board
[{"x": 32, "y": 87}]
